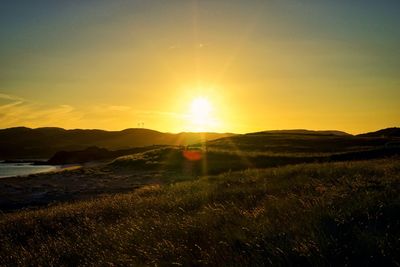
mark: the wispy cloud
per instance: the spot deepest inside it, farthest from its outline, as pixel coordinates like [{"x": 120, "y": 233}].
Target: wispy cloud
[
  {"x": 36, "y": 115},
  {"x": 10, "y": 105},
  {"x": 16, "y": 111},
  {"x": 10, "y": 97}
]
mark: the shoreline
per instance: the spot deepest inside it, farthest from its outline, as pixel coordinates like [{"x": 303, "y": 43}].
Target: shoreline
[{"x": 33, "y": 169}]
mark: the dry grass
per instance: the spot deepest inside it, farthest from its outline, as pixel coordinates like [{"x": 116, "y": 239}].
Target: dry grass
[{"x": 310, "y": 214}]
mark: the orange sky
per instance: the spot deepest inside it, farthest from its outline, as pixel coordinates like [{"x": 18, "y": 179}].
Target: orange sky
[{"x": 260, "y": 65}]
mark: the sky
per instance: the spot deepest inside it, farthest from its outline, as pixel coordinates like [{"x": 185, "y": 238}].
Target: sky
[{"x": 252, "y": 65}]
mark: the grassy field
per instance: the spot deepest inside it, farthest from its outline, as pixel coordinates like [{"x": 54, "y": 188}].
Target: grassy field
[
  {"x": 307, "y": 214},
  {"x": 157, "y": 166},
  {"x": 299, "y": 144}
]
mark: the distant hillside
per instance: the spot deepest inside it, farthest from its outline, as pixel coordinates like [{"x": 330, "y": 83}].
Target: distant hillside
[
  {"x": 305, "y": 132},
  {"x": 22, "y": 142},
  {"x": 388, "y": 132},
  {"x": 42, "y": 143},
  {"x": 298, "y": 141}
]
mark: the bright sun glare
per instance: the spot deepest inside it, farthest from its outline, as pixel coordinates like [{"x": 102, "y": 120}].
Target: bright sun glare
[{"x": 200, "y": 113}]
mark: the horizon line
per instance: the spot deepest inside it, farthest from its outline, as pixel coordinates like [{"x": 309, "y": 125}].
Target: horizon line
[{"x": 209, "y": 132}]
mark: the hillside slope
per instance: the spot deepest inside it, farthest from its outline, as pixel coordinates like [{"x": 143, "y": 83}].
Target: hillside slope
[
  {"x": 388, "y": 132},
  {"x": 307, "y": 132},
  {"x": 24, "y": 142},
  {"x": 333, "y": 214},
  {"x": 303, "y": 142}
]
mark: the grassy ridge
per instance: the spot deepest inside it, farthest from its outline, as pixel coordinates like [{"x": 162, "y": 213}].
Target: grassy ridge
[
  {"x": 163, "y": 165},
  {"x": 217, "y": 161},
  {"x": 310, "y": 214},
  {"x": 298, "y": 143}
]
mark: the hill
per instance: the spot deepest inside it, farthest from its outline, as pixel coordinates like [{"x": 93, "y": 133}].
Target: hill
[
  {"x": 22, "y": 142},
  {"x": 43, "y": 143},
  {"x": 306, "y": 132},
  {"x": 331, "y": 214},
  {"x": 388, "y": 132},
  {"x": 297, "y": 142},
  {"x": 275, "y": 198}
]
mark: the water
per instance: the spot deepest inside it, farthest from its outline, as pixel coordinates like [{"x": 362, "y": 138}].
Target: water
[{"x": 22, "y": 169}]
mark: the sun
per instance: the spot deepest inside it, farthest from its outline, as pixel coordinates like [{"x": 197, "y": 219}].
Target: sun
[
  {"x": 200, "y": 108},
  {"x": 201, "y": 113}
]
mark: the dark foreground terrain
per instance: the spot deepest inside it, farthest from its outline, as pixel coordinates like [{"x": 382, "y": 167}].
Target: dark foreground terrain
[
  {"x": 308, "y": 214},
  {"x": 273, "y": 198}
]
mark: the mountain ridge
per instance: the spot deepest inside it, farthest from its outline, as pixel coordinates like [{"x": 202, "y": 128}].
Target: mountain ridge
[
  {"x": 305, "y": 131},
  {"x": 42, "y": 143},
  {"x": 386, "y": 132}
]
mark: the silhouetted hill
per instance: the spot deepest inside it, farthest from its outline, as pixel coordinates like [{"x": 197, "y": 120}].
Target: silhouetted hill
[
  {"x": 22, "y": 142},
  {"x": 298, "y": 141},
  {"x": 305, "y": 132},
  {"x": 25, "y": 143},
  {"x": 388, "y": 132}
]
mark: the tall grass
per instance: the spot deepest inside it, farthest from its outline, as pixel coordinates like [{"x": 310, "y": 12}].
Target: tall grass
[{"x": 310, "y": 214}]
